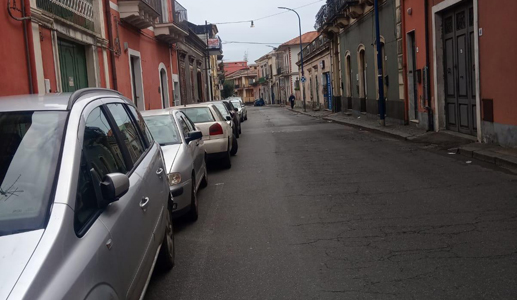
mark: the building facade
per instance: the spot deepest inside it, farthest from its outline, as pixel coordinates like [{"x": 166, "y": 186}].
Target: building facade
[
  {"x": 318, "y": 86},
  {"x": 244, "y": 83},
  {"x": 266, "y": 73},
  {"x": 232, "y": 66},
  {"x": 456, "y": 80},
  {"x": 91, "y": 43}
]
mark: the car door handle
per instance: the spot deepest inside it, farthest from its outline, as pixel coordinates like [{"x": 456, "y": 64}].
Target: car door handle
[
  {"x": 159, "y": 171},
  {"x": 144, "y": 203}
]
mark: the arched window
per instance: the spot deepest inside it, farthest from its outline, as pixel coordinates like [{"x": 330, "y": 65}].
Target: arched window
[
  {"x": 362, "y": 72},
  {"x": 164, "y": 85},
  {"x": 348, "y": 74}
]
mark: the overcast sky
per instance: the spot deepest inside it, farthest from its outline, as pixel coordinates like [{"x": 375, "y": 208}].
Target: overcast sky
[{"x": 274, "y": 30}]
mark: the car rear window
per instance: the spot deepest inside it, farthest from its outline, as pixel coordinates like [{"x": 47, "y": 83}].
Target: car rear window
[
  {"x": 29, "y": 155},
  {"x": 199, "y": 114}
]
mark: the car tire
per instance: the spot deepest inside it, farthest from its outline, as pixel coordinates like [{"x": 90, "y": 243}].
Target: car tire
[
  {"x": 193, "y": 213},
  {"x": 235, "y": 146},
  {"x": 240, "y": 129},
  {"x": 204, "y": 182},
  {"x": 246, "y": 117},
  {"x": 236, "y": 133},
  {"x": 226, "y": 161},
  {"x": 167, "y": 253}
]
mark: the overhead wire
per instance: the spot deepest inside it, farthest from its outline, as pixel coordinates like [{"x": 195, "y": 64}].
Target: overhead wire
[{"x": 265, "y": 17}]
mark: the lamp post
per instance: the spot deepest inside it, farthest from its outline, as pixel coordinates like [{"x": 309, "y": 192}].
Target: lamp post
[
  {"x": 380, "y": 71},
  {"x": 301, "y": 50}
]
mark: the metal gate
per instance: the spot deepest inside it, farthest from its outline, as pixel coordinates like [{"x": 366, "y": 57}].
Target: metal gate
[
  {"x": 72, "y": 63},
  {"x": 460, "y": 87}
]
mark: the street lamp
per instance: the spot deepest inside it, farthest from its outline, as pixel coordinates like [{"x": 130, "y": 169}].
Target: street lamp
[{"x": 301, "y": 50}]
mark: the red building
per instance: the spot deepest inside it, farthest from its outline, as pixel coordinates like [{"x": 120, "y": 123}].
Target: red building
[
  {"x": 458, "y": 77},
  {"x": 62, "y": 46},
  {"x": 230, "y": 67}
]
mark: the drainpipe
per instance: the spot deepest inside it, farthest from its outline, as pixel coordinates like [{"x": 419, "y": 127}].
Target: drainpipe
[
  {"x": 404, "y": 63},
  {"x": 107, "y": 9},
  {"x": 27, "y": 39},
  {"x": 429, "y": 108}
]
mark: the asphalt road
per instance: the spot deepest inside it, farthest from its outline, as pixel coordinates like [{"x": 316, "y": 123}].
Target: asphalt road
[{"x": 317, "y": 210}]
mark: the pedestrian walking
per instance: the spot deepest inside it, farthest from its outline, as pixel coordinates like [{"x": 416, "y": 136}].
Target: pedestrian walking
[{"x": 291, "y": 99}]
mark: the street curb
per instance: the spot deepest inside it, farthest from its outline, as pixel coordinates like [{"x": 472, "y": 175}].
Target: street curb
[
  {"x": 482, "y": 155},
  {"x": 360, "y": 127}
]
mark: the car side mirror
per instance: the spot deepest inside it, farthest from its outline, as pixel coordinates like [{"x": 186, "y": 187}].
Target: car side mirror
[
  {"x": 113, "y": 187},
  {"x": 194, "y": 135},
  {"x": 236, "y": 109},
  {"x": 228, "y": 118}
]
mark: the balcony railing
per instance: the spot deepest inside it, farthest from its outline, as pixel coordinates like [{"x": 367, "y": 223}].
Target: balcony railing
[
  {"x": 314, "y": 46},
  {"x": 140, "y": 13},
  {"x": 180, "y": 15},
  {"x": 331, "y": 11},
  {"x": 79, "y": 12}
]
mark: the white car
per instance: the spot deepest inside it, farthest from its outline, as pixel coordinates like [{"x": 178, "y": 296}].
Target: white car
[
  {"x": 239, "y": 105},
  {"x": 184, "y": 154},
  {"x": 220, "y": 142}
]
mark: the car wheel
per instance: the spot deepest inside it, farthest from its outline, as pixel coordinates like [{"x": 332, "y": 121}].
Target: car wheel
[
  {"x": 167, "y": 251},
  {"x": 236, "y": 133},
  {"x": 246, "y": 118},
  {"x": 204, "y": 182},
  {"x": 235, "y": 146},
  {"x": 240, "y": 129},
  {"x": 226, "y": 162},
  {"x": 193, "y": 213}
]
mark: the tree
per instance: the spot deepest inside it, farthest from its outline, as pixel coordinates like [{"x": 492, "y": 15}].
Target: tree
[{"x": 228, "y": 89}]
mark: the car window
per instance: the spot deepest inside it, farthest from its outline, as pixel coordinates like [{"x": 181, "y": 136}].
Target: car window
[
  {"x": 219, "y": 115},
  {"x": 129, "y": 132},
  {"x": 164, "y": 129},
  {"x": 189, "y": 124},
  {"x": 236, "y": 104},
  {"x": 183, "y": 126},
  {"x": 102, "y": 155},
  {"x": 199, "y": 114},
  {"x": 222, "y": 109},
  {"x": 142, "y": 125},
  {"x": 29, "y": 155}
]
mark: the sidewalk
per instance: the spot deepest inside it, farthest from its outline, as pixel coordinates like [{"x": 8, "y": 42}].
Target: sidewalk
[{"x": 452, "y": 142}]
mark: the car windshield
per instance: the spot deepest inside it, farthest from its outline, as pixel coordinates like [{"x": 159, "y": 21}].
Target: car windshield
[
  {"x": 222, "y": 109},
  {"x": 31, "y": 144},
  {"x": 236, "y": 103},
  {"x": 199, "y": 114},
  {"x": 164, "y": 129}
]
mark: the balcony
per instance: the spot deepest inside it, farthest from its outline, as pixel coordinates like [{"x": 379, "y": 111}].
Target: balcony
[
  {"x": 215, "y": 46},
  {"x": 140, "y": 13},
  {"x": 335, "y": 10},
  {"x": 79, "y": 12},
  {"x": 320, "y": 43}
]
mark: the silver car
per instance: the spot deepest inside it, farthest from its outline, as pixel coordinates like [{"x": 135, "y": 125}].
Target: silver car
[
  {"x": 241, "y": 108},
  {"x": 84, "y": 201},
  {"x": 185, "y": 157}
]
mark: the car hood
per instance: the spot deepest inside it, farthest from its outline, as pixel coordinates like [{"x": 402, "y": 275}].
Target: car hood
[
  {"x": 169, "y": 153},
  {"x": 15, "y": 252}
]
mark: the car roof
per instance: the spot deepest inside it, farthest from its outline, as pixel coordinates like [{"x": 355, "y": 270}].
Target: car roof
[
  {"x": 157, "y": 112},
  {"x": 35, "y": 102},
  {"x": 52, "y": 102}
]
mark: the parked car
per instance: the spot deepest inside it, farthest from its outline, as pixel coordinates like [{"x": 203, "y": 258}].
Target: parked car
[
  {"x": 259, "y": 102},
  {"x": 239, "y": 105},
  {"x": 185, "y": 157},
  {"x": 85, "y": 208},
  {"x": 220, "y": 142},
  {"x": 229, "y": 115},
  {"x": 233, "y": 113}
]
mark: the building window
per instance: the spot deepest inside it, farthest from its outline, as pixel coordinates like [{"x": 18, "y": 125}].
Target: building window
[
  {"x": 362, "y": 72},
  {"x": 348, "y": 75},
  {"x": 384, "y": 71}
]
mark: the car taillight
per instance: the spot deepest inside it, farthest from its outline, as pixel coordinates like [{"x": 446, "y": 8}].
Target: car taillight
[{"x": 216, "y": 129}]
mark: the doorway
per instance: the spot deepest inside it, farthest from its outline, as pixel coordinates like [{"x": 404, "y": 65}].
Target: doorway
[
  {"x": 412, "y": 79},
  {"x": 459, "y": 68},
  {"x": 164, "y": 88},
  {"x": 137, "y": 92},
  {"x": 72, "y": 65}
]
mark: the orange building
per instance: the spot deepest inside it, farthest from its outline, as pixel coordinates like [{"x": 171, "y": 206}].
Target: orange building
[{"x": 230, "y": 67}]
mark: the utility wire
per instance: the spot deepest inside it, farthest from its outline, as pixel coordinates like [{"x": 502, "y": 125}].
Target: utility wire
[
  {"x": 265, "y": 17},
  {"x": 253, "y": 43}
]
